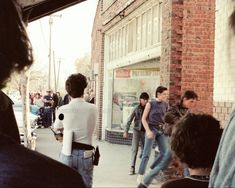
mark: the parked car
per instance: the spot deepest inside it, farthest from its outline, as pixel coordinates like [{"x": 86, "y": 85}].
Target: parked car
[{"x": 18, "y": 111}]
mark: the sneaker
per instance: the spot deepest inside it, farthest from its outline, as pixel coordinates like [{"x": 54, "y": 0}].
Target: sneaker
[
  {"x": 160, "y": 178},
  {"x": 132, "y": 171},
  {"x": 140, "y": 179}
]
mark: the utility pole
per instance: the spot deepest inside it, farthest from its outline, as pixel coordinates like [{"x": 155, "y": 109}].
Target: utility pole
[
  {"x": 49, "y": 56},
  {"x": 58, "y": 75},
  {"x": 54, "y": 71},
  {"x": 50, "y": 42}
]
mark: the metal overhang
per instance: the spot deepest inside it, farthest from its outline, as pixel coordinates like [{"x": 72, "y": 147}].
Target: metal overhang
[{"x": 36, "y": 9}]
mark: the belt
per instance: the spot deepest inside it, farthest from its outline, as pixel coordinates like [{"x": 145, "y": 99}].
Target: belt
[
  {"x": 89, "y": 150},
  {"x": 80, "y": 146}
]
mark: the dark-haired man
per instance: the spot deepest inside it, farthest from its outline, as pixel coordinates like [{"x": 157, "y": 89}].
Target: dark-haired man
[
  {"x": 195, "y": 142},
  {"x": 153, "y": 119},
  {"x": 138, "y": 130},
  {"x": 79, "y": 119}
]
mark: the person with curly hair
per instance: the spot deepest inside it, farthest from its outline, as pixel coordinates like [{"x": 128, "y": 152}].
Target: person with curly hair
[
  {"x": 21, "y": 167},
  {"x": 195, "y": 142},
  {"x": 78, "y": 118}
]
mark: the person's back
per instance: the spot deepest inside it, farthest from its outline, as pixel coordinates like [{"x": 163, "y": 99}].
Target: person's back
[{"x": 79, "y": 117}]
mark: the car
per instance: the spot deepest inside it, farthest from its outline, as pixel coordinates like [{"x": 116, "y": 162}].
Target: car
[{"x": 18, "y": 111}]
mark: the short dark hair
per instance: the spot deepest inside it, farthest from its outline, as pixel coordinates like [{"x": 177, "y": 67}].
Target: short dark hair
[
  {"x": 75, "y": 85},
  {"x": 195, "y": 140},
  {"x": 189, "y": 94},
  {"x": 160, "y": 89},
  {"x": 144, "y": 96},
  {"x": 232, "y": 21}
]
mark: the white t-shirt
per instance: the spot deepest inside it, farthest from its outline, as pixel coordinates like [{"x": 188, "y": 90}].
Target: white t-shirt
[{"x": 80, "y": 118}]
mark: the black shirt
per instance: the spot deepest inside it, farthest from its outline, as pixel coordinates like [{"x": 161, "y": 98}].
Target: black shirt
[{"x": 186, "y": 183}]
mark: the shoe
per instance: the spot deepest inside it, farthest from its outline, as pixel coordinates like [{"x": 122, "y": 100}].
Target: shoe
[
  {"x": 141, "y": 186},
  {"x": 160, "y": 178},
  {"x": 140, "y": 179},
  {"x": 132, "y": 171}
]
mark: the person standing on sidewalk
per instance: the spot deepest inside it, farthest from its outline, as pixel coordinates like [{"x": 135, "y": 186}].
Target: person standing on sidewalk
[
  {"x": 79, "y": 118},
  {"x": 138, "y": 130},
  {"x": 153, "y": 119}
]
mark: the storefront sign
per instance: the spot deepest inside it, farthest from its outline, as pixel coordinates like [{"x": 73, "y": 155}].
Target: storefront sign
[{"x": 123, "y": 73}]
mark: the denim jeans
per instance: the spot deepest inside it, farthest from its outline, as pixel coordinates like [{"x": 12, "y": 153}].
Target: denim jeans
[
  {"x": 138, "y": 138},
  {"x": 84, "y": 166},
  {"x": 163, "y": 159}
]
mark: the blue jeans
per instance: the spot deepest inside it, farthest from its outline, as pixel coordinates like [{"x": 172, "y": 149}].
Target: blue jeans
[
  {"x": 162, "y": 160},
  {"x": 137, "y": 139},
  {"x": 84, "y": 166}
]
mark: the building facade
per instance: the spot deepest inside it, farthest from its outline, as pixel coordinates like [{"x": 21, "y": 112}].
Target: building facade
[{"x": 140, "y": 44}]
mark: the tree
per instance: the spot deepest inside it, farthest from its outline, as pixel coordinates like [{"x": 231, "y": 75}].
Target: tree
[{"x": 83, "y": 65}]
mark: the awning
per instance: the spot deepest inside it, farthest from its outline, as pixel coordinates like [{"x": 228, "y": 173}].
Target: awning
[{"x": 35, "y": 9}]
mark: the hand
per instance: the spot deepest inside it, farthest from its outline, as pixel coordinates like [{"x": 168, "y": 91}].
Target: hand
[
  {"x": 125, "y": 135},
  {"x": 149, "y": 134}
]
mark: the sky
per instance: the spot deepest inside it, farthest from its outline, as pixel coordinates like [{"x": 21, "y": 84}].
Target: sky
[{"x": 71, "y": 36}]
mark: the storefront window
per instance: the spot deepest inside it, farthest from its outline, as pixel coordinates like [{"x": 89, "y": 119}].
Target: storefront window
[{"x": 128, "y": 84}]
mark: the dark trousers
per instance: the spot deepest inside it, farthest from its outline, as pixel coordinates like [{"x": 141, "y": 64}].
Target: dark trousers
[{"x": 48, "y": 117}]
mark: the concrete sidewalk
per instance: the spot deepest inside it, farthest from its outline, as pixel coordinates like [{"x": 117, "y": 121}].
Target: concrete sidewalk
[{"x": 113, "y": 168}]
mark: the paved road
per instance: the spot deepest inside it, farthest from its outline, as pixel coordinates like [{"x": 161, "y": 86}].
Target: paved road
[{"x": 113, "y": 168}]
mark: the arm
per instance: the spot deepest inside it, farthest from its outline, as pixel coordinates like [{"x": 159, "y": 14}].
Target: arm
[
  {"x": 149, "y": 133},
  {"x": 127, "y": 127}
]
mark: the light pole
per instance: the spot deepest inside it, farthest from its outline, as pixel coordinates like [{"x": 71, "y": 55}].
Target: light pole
[{"x": 50, "y": 41}]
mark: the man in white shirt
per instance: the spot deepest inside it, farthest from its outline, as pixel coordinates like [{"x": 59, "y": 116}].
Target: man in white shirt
[{"x": 77, "y": 119}]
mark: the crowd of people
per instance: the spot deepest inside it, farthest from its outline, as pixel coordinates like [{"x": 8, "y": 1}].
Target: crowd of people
[
  {"x": 193, "y": 139},
  {"x": 46, "y": 105}
]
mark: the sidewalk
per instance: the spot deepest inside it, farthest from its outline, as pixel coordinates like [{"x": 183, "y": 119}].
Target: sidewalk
[{"x": 113, "y": 168}]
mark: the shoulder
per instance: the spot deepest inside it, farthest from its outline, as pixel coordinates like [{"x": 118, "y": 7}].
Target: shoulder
[{"x": 177, "y": 183}]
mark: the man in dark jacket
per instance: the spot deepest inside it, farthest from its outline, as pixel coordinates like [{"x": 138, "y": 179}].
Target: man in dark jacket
[
  {"x": 175, "y": 113},
  {"x": 138, "y": 130}
]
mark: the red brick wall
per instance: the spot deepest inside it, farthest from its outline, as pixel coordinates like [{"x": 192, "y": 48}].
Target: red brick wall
[
  {"x": 188, "y": 49},
  {"x": 171, "y": 57},
  {"x": 198, "y": 51}
]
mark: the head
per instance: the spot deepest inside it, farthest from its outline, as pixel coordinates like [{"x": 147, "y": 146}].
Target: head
[
  {"x": 189, "y": 99},
  {"x": 232, "y": 21},
  {"x": 196, "y": 139},
  {"x": 37, "y": 95},
  {"x": 144, "y": 97},
  {"x": 15, "y": 47},
  {"x": 49, "y": 92},
  {"x": 58, "y": 94},
  {"x": 75, "y": 85},
  {"x": 161, "y": 93}
]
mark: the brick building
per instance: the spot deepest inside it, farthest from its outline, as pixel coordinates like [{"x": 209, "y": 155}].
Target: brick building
[{"x": 182, "y": 44}]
